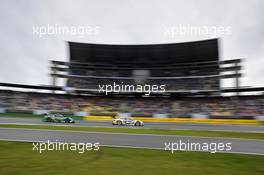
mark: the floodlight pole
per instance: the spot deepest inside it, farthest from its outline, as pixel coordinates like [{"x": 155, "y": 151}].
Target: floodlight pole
[
  {"x": 53, "y": 75},
  {"x": 237, "y": 82}
]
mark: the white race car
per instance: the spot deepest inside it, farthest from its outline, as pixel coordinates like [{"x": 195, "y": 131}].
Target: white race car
[{"x": 127, "y": 121}]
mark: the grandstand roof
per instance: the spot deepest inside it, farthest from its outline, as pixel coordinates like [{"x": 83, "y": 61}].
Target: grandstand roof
[{"x": 187, "y": 52}]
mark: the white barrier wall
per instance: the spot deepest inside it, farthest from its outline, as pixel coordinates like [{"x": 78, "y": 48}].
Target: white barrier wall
[
  {"x": 2, "y": 110},
  {"x": 124, "y": 114},
  {"x": 160, "y": 115},
  {"x": 81, "y": 113},
  {"x": 259, "y": 118},
  {"x": 198, "y": 115},
  {"x": 39, "y": 112}
]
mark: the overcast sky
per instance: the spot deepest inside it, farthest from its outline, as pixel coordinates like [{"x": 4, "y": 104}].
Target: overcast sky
[{"x": 25, "y": 55}]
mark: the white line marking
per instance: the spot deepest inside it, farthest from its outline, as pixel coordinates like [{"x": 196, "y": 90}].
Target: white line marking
[
  {"x": 133, "y": 134},
  {"x": 140, "y": 147},
  {"x": 89, "y": 124}
]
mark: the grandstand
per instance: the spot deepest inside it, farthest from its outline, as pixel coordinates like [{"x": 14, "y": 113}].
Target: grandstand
[
  {"x": 192, "y": 73},
  {"x": 182, "y": 67}
]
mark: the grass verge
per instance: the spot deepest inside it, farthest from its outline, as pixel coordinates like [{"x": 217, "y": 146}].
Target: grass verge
[
  {"x": 143, "y": 131},
  {"x": 17, "y": 158}
]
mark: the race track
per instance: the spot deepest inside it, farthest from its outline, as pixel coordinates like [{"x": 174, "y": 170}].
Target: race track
[
  {"x": 176, "y": 126},
  {"x": 243, "y": 146}
]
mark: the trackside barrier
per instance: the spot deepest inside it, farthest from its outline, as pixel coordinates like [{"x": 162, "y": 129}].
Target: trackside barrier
[
  {"x": 81, "y": 114},
  {"x": 124, "y": 114},
  {"x": 98, "y": 118},
  {"x": 260, "y": 118},
  {"x": 160, "y": 115},
  {"x": 2, "y": 110},
  {"x": 203, "y": 116},
  {"x": 39, "y": 112},
  {"x": 183, "y": 120}
]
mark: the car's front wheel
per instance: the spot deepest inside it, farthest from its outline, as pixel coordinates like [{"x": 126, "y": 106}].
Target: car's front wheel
[
  {"x": 137, "y": 124},
  {"x": 119, "y": 123}
]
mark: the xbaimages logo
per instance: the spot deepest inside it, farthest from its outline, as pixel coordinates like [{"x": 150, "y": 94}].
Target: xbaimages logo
[
  {"x": 57, "y": 29},
  {"x": 138, "y": 88},
  {"x": 211, "y": 147},
  {"x": 63, "y": 146}
]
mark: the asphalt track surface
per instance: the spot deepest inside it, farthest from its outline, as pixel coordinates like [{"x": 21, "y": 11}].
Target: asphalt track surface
[
  {"x": 242, "y": 146},
  {"x": 175, "y": 126}
]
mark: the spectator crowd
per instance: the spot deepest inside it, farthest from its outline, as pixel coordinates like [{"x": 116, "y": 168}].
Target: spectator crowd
[{"x": 229, "y": 107}]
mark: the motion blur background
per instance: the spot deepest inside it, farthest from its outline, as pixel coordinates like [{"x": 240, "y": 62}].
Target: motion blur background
[
  {"x": 124, "y": 22},
  {"x": 204, "y": 76}
]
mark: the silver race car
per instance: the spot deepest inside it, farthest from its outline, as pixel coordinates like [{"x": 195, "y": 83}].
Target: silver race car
[{"x": 127, "y": 121}]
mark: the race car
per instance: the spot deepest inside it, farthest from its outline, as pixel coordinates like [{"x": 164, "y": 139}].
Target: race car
[
  {"x": 57, "y": 118},
  {"x": 127, "y": 121}
]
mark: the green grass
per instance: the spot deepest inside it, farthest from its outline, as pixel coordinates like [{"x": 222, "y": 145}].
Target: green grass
[
  {"x": 28, "y": 115},
  {"x": 17, "y": 158},
  {"x": 144, "y": 131}
]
